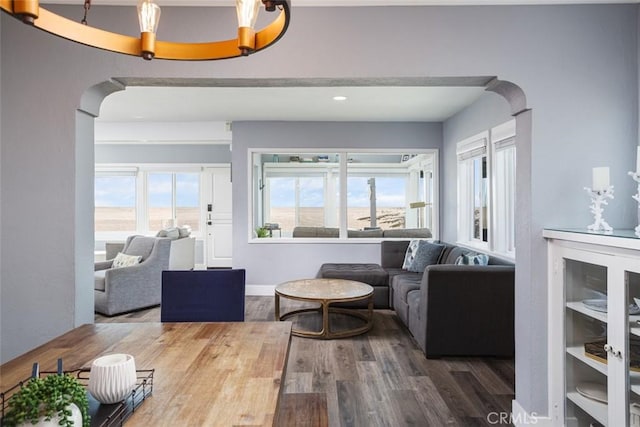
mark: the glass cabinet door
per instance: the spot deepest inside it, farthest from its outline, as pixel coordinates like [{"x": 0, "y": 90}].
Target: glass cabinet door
[
  {"x": 632, "y": 283},
  {"x": 586, "y": 375}
]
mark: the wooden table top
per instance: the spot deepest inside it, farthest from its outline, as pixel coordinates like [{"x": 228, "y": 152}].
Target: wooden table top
[
  {"x": 205, "y": 373},
  {"x": 324, "y": 289}
]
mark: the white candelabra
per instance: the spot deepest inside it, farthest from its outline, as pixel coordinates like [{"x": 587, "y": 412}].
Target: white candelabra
[
  {"x": 636, "y": 197},
  {"x": 598, "y": 198}
]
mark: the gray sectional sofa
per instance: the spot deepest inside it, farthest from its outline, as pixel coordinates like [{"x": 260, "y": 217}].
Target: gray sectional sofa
[
  {"x": 451, "y": 310},
  {"x": 324, "y": 232}
]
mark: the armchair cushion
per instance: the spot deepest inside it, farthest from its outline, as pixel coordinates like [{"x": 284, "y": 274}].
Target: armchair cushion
[
  {"x": 99, "y": 279},
  {"x": 124, "y": 260},
  {"x": 139, "y": 246}
]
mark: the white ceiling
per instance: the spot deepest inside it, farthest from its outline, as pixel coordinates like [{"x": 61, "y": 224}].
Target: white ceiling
[{"x": 183, "y": 104}]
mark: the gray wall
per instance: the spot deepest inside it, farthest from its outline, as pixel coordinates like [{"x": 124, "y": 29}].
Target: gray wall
[
  {"x": 577, "y": 66},
  {"x": 275, "y": 258},
  {"x": 166, "y": 153},
  {"x": 490, "y": 110}
]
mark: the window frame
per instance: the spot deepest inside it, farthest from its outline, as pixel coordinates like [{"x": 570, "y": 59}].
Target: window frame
[
  {"x": 255, "y": 180},
  {"x": 141, "y": 171},
  {"x": 488, "y": 143}
]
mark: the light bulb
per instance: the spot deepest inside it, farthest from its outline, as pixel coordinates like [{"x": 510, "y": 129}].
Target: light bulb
[
  {"x": 247, "y": 12},
  {"x": 149, "y": 16}
]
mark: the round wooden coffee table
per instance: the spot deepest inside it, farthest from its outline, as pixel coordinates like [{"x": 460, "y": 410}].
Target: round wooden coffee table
[{"x": 326, "y": 292}]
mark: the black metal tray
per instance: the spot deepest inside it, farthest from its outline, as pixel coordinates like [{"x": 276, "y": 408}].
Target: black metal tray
[{"x": 102, "y": 415}]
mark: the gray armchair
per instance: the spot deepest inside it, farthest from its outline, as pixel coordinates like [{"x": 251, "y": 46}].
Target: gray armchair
[{"x": 120, "y": 290}]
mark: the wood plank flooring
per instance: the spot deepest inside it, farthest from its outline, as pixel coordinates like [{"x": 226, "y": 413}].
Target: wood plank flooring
[{"x": 380, "y": 378}]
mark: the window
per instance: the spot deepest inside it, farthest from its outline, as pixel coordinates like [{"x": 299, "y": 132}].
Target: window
[
  {"x": 146, "y": 199},
  {"x": 486, "y": 190},
  {"x": 504, "y": 184},
  {"x": 115, "y": 201},
  {"x": 385, "y": 190},
  {"x": 173, "y": 200}
]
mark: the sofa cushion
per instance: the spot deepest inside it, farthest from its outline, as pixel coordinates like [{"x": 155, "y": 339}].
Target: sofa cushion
[
  {"x": 451, "y": 254},
  {"x": 415, "y": 233},
  {"x": 124, "y": 260},
  {"x": 392, "y": 253},
  {"x": 98, "y": 280},
  {"x": 473, "y": 259},
  {"x": 427, "y": 254},
  {"x": 371, "y": 274},
  {"x": 403, "y": 284},
  {"x": 140, "y": 246},
  {"x": 365, "y": 233},
  {"x": 412, "y": 249}
]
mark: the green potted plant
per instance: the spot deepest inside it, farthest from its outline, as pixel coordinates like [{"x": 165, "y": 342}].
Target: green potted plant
[
  {"x": 262, "y": 232},
  {"x": 51, "y": 400}
]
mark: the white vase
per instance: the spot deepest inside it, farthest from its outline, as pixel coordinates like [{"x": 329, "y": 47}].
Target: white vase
[
  {"x": 75, "y": 417},
  {"x": 112, "y": 378}
]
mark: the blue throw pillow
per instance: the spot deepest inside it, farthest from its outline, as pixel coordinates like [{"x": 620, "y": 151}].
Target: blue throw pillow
[
  {"x": 427, "y": 254},
  {"x": 473, "y": 259}
]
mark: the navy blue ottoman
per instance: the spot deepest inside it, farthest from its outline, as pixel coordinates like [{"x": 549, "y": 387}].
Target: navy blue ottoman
[{"x": 203, "y": 296}]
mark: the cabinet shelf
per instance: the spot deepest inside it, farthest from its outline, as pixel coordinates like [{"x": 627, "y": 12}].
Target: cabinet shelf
[
  {"x": 578, "y": 353},
  {"x": 581, "y": 308},
  {"x": 578, "y": 306},
  {"x": 597, "y": 410}
]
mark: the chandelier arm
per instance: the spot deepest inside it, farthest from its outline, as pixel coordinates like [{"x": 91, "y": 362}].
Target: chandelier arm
[{"x": 120, "y": 43}]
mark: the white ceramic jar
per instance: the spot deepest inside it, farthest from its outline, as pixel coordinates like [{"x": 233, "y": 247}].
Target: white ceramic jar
[{"x": 112, "y": 378}]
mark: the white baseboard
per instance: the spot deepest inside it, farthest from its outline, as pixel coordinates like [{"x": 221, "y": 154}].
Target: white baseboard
[
  {"x": 260, "y": 290},
  {"x": 521, "y": 418}
]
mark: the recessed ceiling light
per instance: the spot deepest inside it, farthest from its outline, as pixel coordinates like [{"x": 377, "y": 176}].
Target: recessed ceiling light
[{"x": 339, "y": 98}]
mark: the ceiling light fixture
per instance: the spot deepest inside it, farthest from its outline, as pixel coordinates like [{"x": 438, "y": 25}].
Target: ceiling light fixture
[
  {"x": 249, "y": 40},
  {"x": 339, "y": 98}
]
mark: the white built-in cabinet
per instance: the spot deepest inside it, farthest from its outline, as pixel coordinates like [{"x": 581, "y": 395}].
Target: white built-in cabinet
[{"x": 584, "y": 266}]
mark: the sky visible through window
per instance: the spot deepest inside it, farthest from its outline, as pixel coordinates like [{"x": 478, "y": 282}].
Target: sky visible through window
[
  {"x": 390, "y": 192},
  {"x": 120, "y": 191}
]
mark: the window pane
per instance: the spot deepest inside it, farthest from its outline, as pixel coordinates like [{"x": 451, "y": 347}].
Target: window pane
[
  {"x": 480, "y": 223},
  {"x": 376, "y": 202},
  {"x": 504, "y": 200},
  {"x": 381, "y": 190},
  {"x": 281, "y": 202},
  {"x": 310, "y": 202},
  {"x": 115, "y": 203},
  {"x": 159, "y": 200},
  {"x": 299, "y": 191},
  {"x": 188, "y": 200}
]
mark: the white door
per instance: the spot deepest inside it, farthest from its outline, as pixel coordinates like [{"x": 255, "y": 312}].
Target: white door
[{"x": 219, "y": 218}]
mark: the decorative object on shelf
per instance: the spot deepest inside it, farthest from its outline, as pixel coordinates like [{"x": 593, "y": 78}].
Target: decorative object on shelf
[
  {"x": 52, "y": 400},
  {"x": 592, "y": 390},
  {"x": 599, "y": 192},
  {"x": 249, "y": 40},
  {"x": 596, "y": 350},
  {"x": 636, "y": 177},
  {"x": 112, "y": 378},
  {"x": 600, "y": 304},
  {"x": 634, "y": 415}
]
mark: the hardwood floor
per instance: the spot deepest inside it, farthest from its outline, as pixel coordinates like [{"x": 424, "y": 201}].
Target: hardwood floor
[{"x": 380, "y": 378}]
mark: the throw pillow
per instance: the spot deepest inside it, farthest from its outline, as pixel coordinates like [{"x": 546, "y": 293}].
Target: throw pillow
[
  {"x": 410, "y": 254},
  {"x": 427, "y": 254},
  {"x": 124, "y": 260},
  {"x": 473, "y": 259}
]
